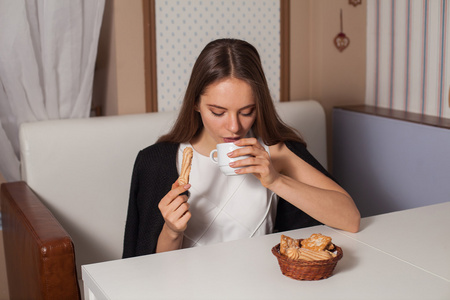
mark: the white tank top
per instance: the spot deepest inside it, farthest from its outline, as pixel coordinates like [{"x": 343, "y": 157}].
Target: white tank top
[{"x": 225, "y": 208}]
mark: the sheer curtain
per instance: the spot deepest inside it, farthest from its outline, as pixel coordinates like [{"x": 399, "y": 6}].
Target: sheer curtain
[
  {"x": 48, "y": 50},
  {"x": 408, "y": 50}
]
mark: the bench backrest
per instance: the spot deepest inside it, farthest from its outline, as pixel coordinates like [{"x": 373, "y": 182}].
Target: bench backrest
[{"x": 81, "y": 168}]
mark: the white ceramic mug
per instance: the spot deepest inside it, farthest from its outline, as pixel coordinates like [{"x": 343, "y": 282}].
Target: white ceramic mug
[{"x": 222, "y": 158}]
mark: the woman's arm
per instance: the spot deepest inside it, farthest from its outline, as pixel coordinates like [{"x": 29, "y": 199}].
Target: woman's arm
[
  {"x": 296, "y": 181},
  {"x": 313, "y": 192}
]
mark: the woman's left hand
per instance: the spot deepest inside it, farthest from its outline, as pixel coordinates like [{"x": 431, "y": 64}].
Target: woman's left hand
[{"x": 259, "y": 164}]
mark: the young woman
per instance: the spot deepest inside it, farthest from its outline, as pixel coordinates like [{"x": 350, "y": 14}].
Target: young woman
[{"x": 281, "y": 185}]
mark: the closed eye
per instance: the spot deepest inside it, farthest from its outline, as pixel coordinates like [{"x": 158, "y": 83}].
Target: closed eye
[
  {"x": 219, "y": 111},
  {"x": 248, "y": 113},
  {"x": 217, "y": 114}
]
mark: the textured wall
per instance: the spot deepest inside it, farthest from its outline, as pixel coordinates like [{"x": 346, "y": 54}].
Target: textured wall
[{"x": 183, "y": 28}]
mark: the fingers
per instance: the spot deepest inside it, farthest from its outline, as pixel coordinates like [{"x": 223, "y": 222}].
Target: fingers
[
  {"x": 259, "y": 163},
  {"x": 251, "y": 147},
  {"x": 262, "y": 161},
  {"x": 175, "y": 209},
  {"x": 173, "y": 193},
  {"x": 177, "y": 184},
  {"x": 249, "y": 142},
  {"x": 252, "y": 165},
  {"x": 179, "y": 225},
  {"x": 176, "y": 215}
]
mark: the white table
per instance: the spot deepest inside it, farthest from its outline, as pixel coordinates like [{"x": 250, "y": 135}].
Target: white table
[
  {"x": 382, "y": 261},
  {"x": 417, "y": 236}
]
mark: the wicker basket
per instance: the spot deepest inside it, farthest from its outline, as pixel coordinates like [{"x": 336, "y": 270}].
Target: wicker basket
[{"x": 306, "y": 270}]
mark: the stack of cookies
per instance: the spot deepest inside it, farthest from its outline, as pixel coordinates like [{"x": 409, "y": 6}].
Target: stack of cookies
[{"x": 316, "y": 247}]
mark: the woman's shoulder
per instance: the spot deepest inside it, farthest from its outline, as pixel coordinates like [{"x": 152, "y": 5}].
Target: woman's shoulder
[
  {"x": 161, "y": 147},
  {"x": 283, "y": 148},
  {"x": 301, "y": 151},
  {"x": 285, "y": 154},
  {"x": 159, "y": 152}
]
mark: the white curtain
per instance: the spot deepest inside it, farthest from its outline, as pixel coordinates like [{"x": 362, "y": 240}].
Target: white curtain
[
  {"x": 48, "y": 50},
  {"x": 408, "y": 51}
]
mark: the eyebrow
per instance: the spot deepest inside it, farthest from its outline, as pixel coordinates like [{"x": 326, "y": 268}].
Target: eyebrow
[{"x": 220, "y": 107}]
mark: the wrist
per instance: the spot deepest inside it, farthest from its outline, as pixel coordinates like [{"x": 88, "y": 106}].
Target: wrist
[
  {"x": 274, "y": 185},
  {"x": 169, "y": 240},
  {"x": 171, "y": 234}
]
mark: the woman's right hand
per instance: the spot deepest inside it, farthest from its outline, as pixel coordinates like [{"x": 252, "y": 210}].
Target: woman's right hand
[{"x": 175, "y": 210}]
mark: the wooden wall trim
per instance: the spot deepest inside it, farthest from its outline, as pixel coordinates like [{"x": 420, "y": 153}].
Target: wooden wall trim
[
  {"x": 399, "y": 115},
  {"x": 151, "y": 88},
  {"x": 285, "y": 25}
]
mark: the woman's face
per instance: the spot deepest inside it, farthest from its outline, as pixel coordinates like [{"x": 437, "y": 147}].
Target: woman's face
[{"x": 228, "y": 110}]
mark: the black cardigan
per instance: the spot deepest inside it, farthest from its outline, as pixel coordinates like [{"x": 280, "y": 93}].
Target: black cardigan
[{"x": 153, "y": 175}]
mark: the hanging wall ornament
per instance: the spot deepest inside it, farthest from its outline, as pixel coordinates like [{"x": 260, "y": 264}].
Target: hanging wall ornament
[
  {"x": 354, "y": 2},
  {"x": 341, "y": 41}
]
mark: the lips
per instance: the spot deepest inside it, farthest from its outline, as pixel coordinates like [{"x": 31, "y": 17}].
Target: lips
[{"x": 231, "y": 140}]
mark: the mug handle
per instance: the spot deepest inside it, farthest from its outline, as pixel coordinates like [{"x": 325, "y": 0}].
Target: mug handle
[{"x": 211, "y": 156}]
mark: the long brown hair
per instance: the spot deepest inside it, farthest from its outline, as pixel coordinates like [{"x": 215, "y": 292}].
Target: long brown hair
[{"x": 221, "y": 59}]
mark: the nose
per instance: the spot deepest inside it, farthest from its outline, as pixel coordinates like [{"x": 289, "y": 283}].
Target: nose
[{"x": 233, "y": 123}]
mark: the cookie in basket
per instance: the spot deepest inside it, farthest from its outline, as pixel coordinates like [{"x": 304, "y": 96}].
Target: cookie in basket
[
  {"x": 317, "y": 242},
  {"x": 288, "y": 242}
]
